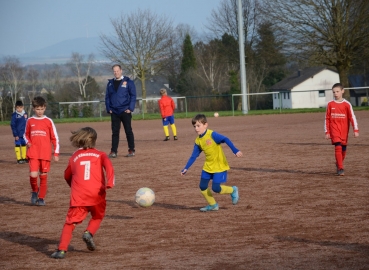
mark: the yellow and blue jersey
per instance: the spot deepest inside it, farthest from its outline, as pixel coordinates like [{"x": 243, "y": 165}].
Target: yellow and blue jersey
[{"x": 210, "y": 143}]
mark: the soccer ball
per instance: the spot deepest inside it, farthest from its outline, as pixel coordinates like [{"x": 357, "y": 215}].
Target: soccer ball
[
  {"x": 216, "y": 114},
  {"x": 145, "y": 197}
]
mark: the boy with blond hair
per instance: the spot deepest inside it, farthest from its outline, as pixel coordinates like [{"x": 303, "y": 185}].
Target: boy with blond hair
[
  {"x": 89, "y": 174},
  {"x": 167, "y": 107}
]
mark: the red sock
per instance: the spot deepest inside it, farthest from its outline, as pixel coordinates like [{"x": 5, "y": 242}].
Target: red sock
[
  {"x": 66, "y": 236},
  {"x": 343, "y": 155},
  {"x": 33, "y": 181},
  {"x": 43, "y": 186},
  {"x": 338, "y": 155},
  {"x": 93, "y": 225}
]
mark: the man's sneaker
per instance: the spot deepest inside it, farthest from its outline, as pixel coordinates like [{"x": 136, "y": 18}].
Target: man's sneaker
[
  {"x": 175, "y": 138},
  {"x": 341, "y": 172},
  {"x": 25, "y": 160},
  {"x": 130, "y": 153},
  {"x": 41, "y": 202},
  {"x": 234, "y": 195},
  {"x": 207, "y": 208},
  {"x": 34, "y": 198},
  {"x": 21, "y": 161},
  {"x": 166, "y": 139},
  {"x": 87, "y": 238},
  {"x": 59, "y": 254},
  {"x": 113, "y": 155}
]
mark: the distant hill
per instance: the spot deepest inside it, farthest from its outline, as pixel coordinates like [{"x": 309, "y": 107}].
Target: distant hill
[{"x": 61, "y": 52}]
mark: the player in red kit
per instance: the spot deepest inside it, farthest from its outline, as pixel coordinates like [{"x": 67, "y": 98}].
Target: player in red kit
[
  {"x": 339, "y": 116},
  {"x": 167, "y": 107},
  {"x": 89, "y": 173},
  {"x": 39, "y": 134}
]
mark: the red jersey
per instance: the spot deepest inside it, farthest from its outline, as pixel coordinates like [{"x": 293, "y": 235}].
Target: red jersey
[
  {"x": 85, "y": 175},
  {"x": 167, "y": 106},
  {"x": 339, "y": 115},
  {"x": 41, "y": 133}
]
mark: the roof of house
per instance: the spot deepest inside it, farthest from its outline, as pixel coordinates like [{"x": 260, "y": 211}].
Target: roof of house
[
  {"x": 153, "y": 86},
  {"x": 297, "y": 77}
]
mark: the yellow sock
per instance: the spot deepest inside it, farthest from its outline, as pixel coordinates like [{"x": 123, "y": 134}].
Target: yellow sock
[
  {"x": 166, "y": 130},
  {"x": 208, "y": 196},
  {"x": 24, "y": 151},
  {"x": 174, "y": 129},
  {"x": 18, "y": 152},
  {"x": 226, "y": 189}
]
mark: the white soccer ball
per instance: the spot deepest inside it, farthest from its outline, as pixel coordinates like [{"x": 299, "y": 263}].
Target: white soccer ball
[
  {"x": 216, "y": 114},
  {"x": 145, "y": 197}
]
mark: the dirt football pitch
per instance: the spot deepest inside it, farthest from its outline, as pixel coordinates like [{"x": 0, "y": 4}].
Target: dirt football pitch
[{"x": 293, "y": 212}]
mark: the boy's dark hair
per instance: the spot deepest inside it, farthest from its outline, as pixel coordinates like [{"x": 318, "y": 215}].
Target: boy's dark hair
[
  {"x": 116, "y": 65},
  {"x": 84, "y": 138},
  {"x": 38, "y": 102},
  {"x": 201, "y": 118},
  {"x": 18, "y": 103},
  {"x": 337, "y": 85}
]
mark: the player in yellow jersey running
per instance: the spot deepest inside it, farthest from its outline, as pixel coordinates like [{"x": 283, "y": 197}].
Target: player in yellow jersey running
[{"x": 216, "y": 165}]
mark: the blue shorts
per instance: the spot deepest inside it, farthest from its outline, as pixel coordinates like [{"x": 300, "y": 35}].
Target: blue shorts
[
  {"x": 220, "y": 177},
  {"x": 20, "y": 142},
  {"x": 168, "y": 120}
]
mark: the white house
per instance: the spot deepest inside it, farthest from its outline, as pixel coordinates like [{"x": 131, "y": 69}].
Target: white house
[
  {"x": 153, "y": 86},
  {"x": 307, "y": 88}
]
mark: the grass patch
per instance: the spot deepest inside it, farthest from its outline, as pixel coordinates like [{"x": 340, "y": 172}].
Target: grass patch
[{"x": 192, "y": 114}]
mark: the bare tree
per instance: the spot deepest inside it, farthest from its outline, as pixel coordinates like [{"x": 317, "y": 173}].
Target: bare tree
[
  {"x": 142, "y": 44},
  {"x": 224, "y": 19},
  {"x": 32, "y": 78},
  {"x": 81, "y": 69},
  {"x": 12, "y": 74},
  {"x": 51, "y": 77},
  {"x": 326, "y": 32},
  {"x": 223, "y": 23},
  {"x": 210, "y": 65}
]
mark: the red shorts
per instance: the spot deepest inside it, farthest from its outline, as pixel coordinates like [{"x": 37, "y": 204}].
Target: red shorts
[
  {"x": 39, "y": 165},
  {"x": 76, "y": 214}
]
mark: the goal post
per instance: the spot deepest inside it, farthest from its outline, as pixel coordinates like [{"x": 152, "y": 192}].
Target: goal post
[
  {"x": 256, "y": 94},
  {"x": 80, "y": 109},
  {"x": 152, "y": 105}
]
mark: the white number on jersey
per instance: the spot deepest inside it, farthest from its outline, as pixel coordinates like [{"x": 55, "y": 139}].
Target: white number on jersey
[{"x": 87, "y": 165}]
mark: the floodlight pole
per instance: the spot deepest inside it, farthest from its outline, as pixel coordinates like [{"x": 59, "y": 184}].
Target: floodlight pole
[{"x": 242, "y": 58}]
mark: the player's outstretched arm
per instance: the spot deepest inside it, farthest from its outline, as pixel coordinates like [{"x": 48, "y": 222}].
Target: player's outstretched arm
[{"x": 195, "y": 153}]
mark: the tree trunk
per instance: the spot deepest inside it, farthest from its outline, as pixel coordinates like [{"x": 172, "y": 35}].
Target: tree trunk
[
  {"x": 143, "y": 83},
  {"x": 342, "y": 72}
]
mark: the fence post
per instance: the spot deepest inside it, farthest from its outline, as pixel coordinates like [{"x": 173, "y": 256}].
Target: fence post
[{"x": 232, "y": 106}]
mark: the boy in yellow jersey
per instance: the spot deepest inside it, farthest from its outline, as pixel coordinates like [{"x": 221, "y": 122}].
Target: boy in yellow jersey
[{"x": 216, "y": 165}]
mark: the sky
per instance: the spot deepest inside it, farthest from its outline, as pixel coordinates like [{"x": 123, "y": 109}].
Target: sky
[{"x": 29, "y": 25}]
